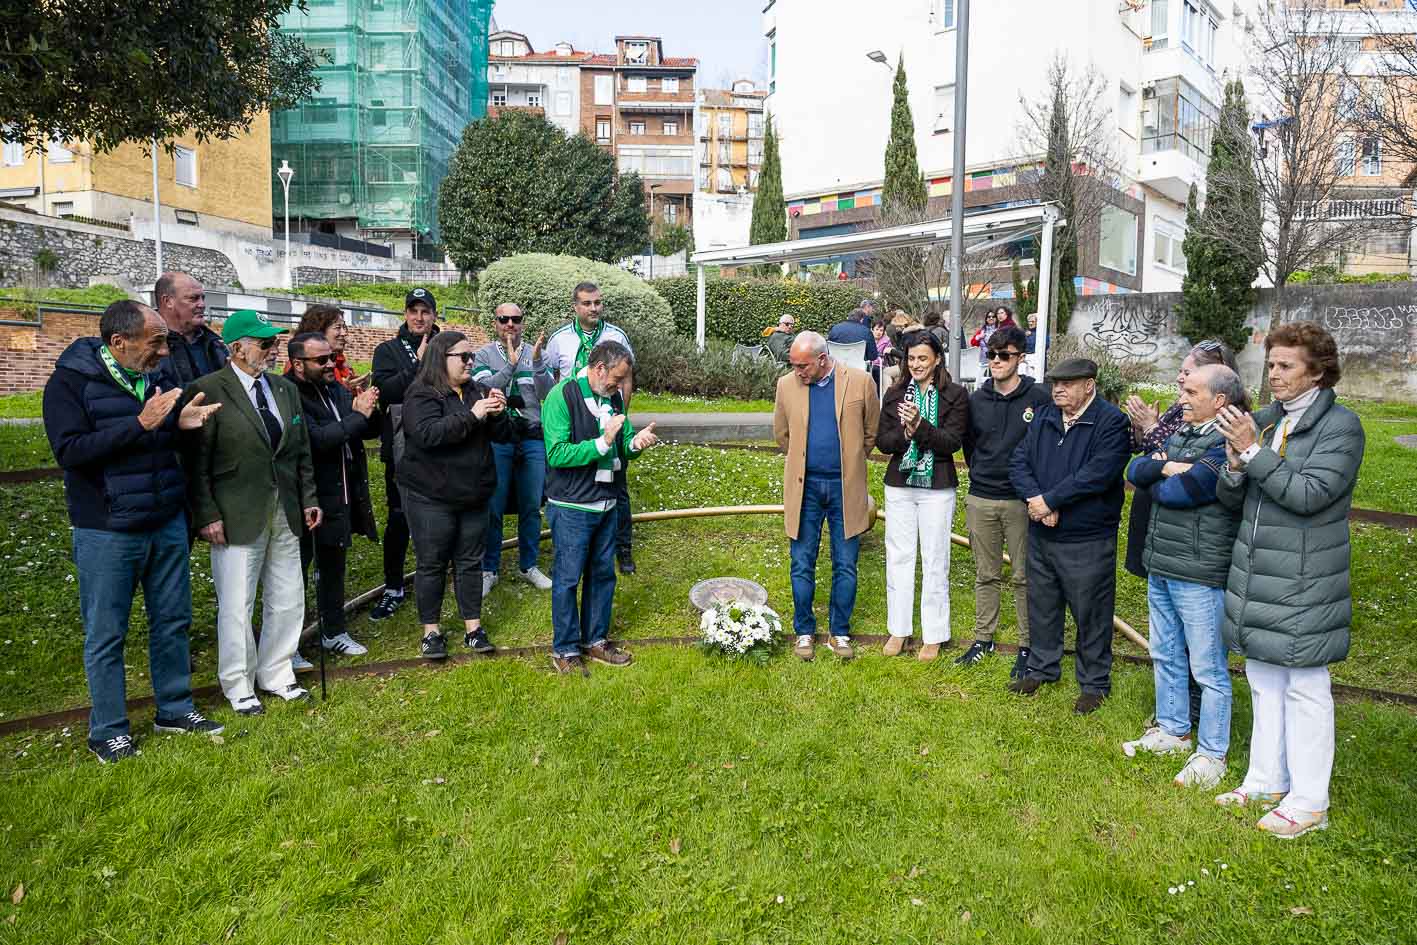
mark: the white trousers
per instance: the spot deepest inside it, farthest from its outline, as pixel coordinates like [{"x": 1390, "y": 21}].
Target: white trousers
[
  {"x": 1291, "y": 747},
  {"x": 923, "y": 515},
  {"x": 273, "y": 561}
]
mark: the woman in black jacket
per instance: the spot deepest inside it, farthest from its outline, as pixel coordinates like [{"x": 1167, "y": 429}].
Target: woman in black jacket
[
  {"x": 446, "y": 475},
  {"x": 923, "y": 419}
]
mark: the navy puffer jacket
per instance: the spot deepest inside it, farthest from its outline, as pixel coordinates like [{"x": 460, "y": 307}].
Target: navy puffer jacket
[{"x": 117, "y": 476}]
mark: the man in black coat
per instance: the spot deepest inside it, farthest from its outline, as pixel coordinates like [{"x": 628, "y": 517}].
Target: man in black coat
[
  {"x": 339, "y": 423},
  {"x": 194, "y": 350},
  {"x": 395, "y": 364}
]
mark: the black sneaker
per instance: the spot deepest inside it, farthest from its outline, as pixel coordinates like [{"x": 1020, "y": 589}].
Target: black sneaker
[
  {"x": 626, "y": 561},
  {"x": 389, "y": 603},
  {"x": 434, "y": 646},
  {"x": 476, "y": 640},
  {"x": 976, "y": 652},
  {"x": 191, "y": 722},
  {"x": 110, "y": 750},
  {"x": 1020, "y": 663}
]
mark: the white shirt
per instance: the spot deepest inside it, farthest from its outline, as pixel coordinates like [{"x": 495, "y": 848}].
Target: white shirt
[
  {"x": 248, "y": 383},
  {"x": 565, "y": 342},
  {"x": 1293, "y": 412}
]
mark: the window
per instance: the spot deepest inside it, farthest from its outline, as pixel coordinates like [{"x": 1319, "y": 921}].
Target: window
[
  {"x": 703, "y": 178},
  {"x": 725, "y": 124},
  {"x": 1160, "y": 14},
  {"x": 604, "y": 89},
  {"x": 14, "y": 154},
  {"x": 58, "y": 154},
  {"x": 1117, "y": 248},
  {"x": 324, "y": 56},
  {"x": 1347, "y": 99},
  {"x": 1168, "y": 239},
  {"x": 1198, "y": 31},
  {"x": 563, "y": 78},
  {"x": 724, "y": 183},
  {"x": 533, "y": 99},
  {"x": 671, "y": 212},
  {"x": 637, "y": 53},
  {"x": 1372, "y": 157},
  {"x": 944, "y": 108},
  {"x": 942, "y": 14},
  {"x": 1127, "y": 109},
  {"x": 184, "y": 164},
  {"x": 772, "y": 62},
  {"x": 499, "y": 98},
  {"x": 602, "y": 130},
  {"x": 1175, "y": 117},
  {"x": 755, "y": 151},
  {"x": 669, "y": 85},
  {"x": 725, "y": 151},
  {"x": 1345, "y": 159},
  {"x": 636, "y": 83},
  {"x": 637, "y": 127},
  {"x": 62, "y": 208},
  {"x": 755, "y": 124},
  {"x": 563, "y": 103},
  {"x": 671, "y": 128}
]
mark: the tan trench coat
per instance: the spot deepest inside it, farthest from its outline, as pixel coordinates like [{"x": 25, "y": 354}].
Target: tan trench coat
[{"x": 857, "y": 413}]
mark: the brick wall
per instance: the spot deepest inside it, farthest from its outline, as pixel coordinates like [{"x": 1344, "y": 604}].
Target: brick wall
[{"x": 28, "y": 353}]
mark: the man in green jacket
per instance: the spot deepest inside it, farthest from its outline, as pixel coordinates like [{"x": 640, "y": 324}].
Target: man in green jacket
[
  {"x": 589, "y": 441},
  {"x": 251, "y": 489}
]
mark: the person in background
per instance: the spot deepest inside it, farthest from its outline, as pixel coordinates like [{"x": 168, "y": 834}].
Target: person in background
[
  {"x": 1069, "y": 470},
  {"x": 1291, "y": 468},
  {"x": 855, "y": 328},
  {"x": 114, "y": 432},
  {"x": 1188, "y": 549},
  {"x": 252, "y": 486},
  {"x": 589, "y": 441},
  {"x": 1031, "y": 339},
  {"x": 922, "y": 423},
  {"x": 1000, "y": 412},
  {"x": 194, "y": 350},
  {"x": 1004, "y": 317},
  {"x": 824, "y": 480},
  {"x": 980, "y": 339},
  {"x": 339, "y": 423},
  {"x": 328, "y": 320},
  {"x": 779, "y": 337},
  {"x": 447, "y": 475},
  {"x": 883, "y": 349},
  {"x": 396, "y": 364},
  {"x": 516, "y": 368}
]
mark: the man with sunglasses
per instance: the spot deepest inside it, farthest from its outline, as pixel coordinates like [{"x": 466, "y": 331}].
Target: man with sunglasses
[
  {"x": 339, "y": 422},
  {"x": 252, "y": 489},
  {"x": 1000, "y": 411},
  {"x": 519, "y": 370}
]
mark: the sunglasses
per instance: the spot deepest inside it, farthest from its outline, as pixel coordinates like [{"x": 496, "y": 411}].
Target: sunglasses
[
  {"x": 1002, "y": 355},
  {"x": 322, "y": 360},
  {"x": 265, "y": 344},
  {"x": 510, "y": 319},
  {"x": 466, "y": 356}
]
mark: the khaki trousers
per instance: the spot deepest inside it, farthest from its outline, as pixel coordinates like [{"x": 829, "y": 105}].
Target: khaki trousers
[{"x": 992, "y": 524}]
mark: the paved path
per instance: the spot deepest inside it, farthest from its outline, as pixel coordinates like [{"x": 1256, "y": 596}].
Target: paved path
[{"x": 706, "y": 427}]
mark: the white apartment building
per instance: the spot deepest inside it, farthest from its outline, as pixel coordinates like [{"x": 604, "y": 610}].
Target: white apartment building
[
  {"x": 1164, "y": 64},
  {"x": 520, "y": 77}
]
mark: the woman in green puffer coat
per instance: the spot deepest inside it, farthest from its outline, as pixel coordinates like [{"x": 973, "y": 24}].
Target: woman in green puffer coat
[{"x": 1292, "y": 467}]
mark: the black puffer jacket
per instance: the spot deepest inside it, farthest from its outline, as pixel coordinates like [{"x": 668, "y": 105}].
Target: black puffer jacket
[{"x": 447, "y": 450}]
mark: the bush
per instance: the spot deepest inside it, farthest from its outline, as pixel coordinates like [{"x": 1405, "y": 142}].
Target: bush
[
  {"x": 1115, "y": 376},
  {"x": 739, "y": 310},
  {"x": 390, "y": 295},
  {"x": 667, "y": 363},
  {"x": 25, "y": 301},
  {"x": 541, "y": 284}
]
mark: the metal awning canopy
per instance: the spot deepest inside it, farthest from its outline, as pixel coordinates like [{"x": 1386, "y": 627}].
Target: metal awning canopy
[{"x": 981, "y": 231}]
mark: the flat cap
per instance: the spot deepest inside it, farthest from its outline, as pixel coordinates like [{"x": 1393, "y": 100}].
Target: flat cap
[{"x": 1072, "y": 369}]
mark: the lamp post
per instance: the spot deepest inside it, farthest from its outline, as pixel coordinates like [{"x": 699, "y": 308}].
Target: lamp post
[
  {"x": 285, "y": 172},
  {"x": 157, "y": 213},
  {"x": 652, "y": 189}
]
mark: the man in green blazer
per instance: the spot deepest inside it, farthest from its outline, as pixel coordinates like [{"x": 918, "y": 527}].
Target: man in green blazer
[{"x": 251, "y": 488}]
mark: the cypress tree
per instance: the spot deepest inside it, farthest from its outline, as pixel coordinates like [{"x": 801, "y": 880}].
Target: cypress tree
[
  {"x": 904, "y": 192},
  {"x": 769, "y": 212},
  {"x": 1058, "y": 184}
]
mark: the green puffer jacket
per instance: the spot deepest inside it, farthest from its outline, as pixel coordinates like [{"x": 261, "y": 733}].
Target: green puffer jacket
[
  {"x": 1287, "y": 601},
  {"x": 1195, "y": 543}
]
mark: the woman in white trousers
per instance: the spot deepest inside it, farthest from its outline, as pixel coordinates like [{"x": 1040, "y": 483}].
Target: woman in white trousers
[{"x": 923, "y": 419}]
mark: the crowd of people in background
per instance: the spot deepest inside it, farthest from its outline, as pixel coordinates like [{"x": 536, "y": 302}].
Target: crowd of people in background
[{"x": 168, "y": 433}]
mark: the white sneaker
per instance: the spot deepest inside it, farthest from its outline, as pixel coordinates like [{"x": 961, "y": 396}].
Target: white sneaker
[
  {"x": 1156, "y": 740},
  {"x": 301, "y": 665},
  {"x": 1201, "y": 771},
  {"x": 489, "y": 581},
  {"x": 535, "y": 578},
  {"x": 344, "y": 645}
]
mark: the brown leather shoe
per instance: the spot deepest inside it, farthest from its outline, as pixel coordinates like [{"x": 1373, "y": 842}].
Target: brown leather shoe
[
  {"x": 928, "y": 652},
  {"x": 893, "y": 646},
  {"x": 841, "y": 646},
  {"x": 1026, "y": 686},
  {"x": 805, "y": 648},
  {"x": 1088, "y": 703},
  {"x": 566, "y": 665},
  {"x": 609, "y": 654}
]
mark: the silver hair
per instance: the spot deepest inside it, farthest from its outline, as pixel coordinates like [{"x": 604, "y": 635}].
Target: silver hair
[
  {"x": 1221, "y": 381},
  {"x": 813, "y": 343}
]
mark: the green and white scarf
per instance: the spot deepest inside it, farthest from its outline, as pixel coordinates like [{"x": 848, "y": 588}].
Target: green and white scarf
[
  {"x": 602, "y": 408},
  {"x": 919, "y": 464},
  {"x": 134, "y": 382},
  {"x": 587, "y": 343}
]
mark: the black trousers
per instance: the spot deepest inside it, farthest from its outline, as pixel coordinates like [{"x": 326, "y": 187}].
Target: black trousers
[
  {"x": 395, "y": 534},
  {"x": 330, "y": 564},
  {"x": 446, "y": 536},
  {"x": 1080, "y": 576}
]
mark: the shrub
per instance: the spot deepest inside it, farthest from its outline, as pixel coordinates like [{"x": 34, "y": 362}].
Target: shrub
[
  {"x": 1115, "y": 376},
  {"x": 739, "y": 310},
  {"x": 390, "y": 295},
  {"x": 541, "y": 284},
  {"x": 668, "y": 363}
]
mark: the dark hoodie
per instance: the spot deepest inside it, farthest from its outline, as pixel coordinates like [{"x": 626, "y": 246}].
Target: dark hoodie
[
  {"x": 393, "y": 371},
  {"x": 997, "y": 424},
  {"x": 186, "y": 359},
  {"x": 117, "y": 476}
]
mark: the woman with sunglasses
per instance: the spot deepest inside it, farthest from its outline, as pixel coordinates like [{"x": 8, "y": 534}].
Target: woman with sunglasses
[
  {"x": 982, "y": 336},
  {"x": 446, "y": 476},
  {"x": 923, "y": 419}
]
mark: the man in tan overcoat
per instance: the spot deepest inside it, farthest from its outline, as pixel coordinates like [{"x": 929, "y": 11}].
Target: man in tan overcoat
[{"x": 825, "y": 420}]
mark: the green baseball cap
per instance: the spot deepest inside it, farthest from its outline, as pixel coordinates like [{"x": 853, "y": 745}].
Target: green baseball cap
[{"x": 248, "y": 323}]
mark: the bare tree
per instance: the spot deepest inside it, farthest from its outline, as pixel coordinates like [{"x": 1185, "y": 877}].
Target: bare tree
[
  {"x": 1070, "y": 127},
  {"x": 1390, "y": 100}
]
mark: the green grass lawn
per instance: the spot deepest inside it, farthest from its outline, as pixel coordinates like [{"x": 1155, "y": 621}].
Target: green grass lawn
[
  {"x": 674, "y": 403},
  {"x": 14, "y": 406}
]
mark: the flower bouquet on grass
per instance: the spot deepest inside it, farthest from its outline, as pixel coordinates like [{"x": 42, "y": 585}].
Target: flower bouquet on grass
[{"x": 740, "y": 631}]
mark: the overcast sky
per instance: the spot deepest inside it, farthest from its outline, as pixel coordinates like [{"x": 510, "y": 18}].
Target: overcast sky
[{"x": 725, "y": 35}]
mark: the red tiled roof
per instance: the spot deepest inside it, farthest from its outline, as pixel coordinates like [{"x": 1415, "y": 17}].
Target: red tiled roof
[
  {"x": 601, "y": 59},
  {"x": 679, "y": 61}
]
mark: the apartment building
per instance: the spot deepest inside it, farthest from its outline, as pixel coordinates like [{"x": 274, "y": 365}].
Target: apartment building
[
  {"x": 729, "y": 128},
  {"x": 547, "y": 83}
]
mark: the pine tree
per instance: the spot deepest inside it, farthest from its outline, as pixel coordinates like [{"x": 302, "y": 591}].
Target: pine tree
[
  {"x": 1217, "y": 292},
  {"x": 769, "y": 214},
  {"x": 904, "y": 191}
]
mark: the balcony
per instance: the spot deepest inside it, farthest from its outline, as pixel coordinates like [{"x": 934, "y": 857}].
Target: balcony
[{"x": 1171, "y": 172}]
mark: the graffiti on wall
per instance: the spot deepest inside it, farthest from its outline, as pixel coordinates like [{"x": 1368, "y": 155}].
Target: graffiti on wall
[
  {"x": 1126, "y": 328},
  {"x": 1377, "y": 318}
]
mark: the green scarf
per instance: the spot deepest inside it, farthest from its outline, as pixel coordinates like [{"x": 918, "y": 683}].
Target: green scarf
[
  {"x": 918, "y": 464},
  {"x": 134, "y": 382},
  {"x": 587, "y": 343},
  {"x": 605, "y": 465}
]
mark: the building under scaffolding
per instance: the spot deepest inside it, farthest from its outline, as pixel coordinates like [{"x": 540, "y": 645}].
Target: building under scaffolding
[{"x": 400, "y": 80}]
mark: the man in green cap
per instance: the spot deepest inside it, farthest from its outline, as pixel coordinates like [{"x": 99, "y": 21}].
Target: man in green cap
[{"x": 251, "y": 489}]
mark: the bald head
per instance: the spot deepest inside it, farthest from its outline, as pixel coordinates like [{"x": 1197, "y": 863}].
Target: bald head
[
  {"x": 808, "y": 357},
  {"x": 182, "y": 302},
  {"x": 1208, "y": 388},
  {"x": 507, "y": 319}
]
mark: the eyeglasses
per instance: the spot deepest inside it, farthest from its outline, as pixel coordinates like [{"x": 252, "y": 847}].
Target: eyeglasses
[
  {"x": 265, "y": 344},
  {"x": 510, "y": 319},
  {"x": 321, "y": 360},
  {"x": 466, "y": 356},
  {"x": 1002, "y": 355}
]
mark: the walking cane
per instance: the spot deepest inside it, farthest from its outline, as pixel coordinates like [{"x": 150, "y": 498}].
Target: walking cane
[{"x": 320, "y": 628}]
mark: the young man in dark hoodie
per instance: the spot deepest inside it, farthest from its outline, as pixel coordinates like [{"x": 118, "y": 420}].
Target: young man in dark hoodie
[{"x": 1000, "y": 411}]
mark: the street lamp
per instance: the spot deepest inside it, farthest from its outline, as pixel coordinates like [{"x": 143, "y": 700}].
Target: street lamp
[
  {"x": 285, "y": 172},
  {"x": 876, "y": 55},
  {"x": 652, "y": 189}
]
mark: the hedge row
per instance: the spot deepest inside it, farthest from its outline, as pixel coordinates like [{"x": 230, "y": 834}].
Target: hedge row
[
  {"x": 740, "y": 310},
  {"x": 669, "y": 363}
]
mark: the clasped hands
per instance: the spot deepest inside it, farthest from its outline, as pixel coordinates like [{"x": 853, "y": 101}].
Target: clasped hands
[
  {"x": 1239, "y": 430},
  {"x": 1039, "y": 512}
]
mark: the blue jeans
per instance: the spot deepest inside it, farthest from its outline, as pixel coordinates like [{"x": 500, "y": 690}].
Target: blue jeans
[
  {"x": 524, "y": 462},
  {"x": 1185, "y": 620},
  {"x": 585, "y": 547},
  {"x": 821, "y": 500},
  {"x": 111, "y": 567}
]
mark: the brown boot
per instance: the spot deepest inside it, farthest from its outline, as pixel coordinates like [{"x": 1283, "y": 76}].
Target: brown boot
[
  {"x": 609, "y": 654},
  {"x": 893, "y": 646},
  {"x": 928, "y": 652}
]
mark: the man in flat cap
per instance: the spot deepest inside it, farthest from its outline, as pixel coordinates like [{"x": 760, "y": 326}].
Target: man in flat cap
[{"x": 1069, "y": 470}]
